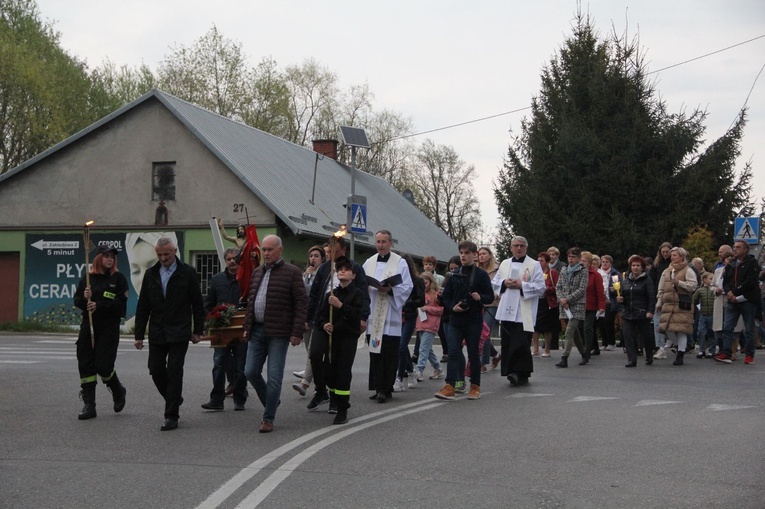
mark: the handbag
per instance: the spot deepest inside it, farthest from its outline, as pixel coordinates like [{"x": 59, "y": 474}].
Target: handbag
[{"x": 684, "y": 301}]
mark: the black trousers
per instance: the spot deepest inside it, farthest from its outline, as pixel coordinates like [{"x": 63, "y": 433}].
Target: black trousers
[
  {"x": 99, "y": 360},
  {"x": 637, "y": 332},
  {"x": 166, "y": 369},
  {"x": 383, "y": 365},
  {"x": 516, "y": 353}
]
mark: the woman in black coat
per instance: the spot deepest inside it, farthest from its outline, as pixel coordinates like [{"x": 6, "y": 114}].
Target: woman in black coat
[
  {"x": 106, "y": 300},
  {"x": 638, "y": 298}
]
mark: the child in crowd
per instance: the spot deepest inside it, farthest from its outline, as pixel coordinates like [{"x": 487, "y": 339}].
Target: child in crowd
[
  {"x": 704, "y": 297},
  {"x": 344, "y": 328},
  {"x": 428, "y": 321}
]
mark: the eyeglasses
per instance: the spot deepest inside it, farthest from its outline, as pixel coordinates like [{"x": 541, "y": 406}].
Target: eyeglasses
[{"x": 517, "y": 245}]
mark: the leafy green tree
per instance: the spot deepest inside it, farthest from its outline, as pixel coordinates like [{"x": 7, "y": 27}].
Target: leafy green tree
[
  {"x": 700, "y": 242},
  {"x": 600, "y": 163},
  {"x": 45, "y": 94},
  {"x": 117, "y": 86}
]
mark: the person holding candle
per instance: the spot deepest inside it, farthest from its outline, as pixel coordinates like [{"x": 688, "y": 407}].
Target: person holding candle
[{"x": 612, "y": 280}]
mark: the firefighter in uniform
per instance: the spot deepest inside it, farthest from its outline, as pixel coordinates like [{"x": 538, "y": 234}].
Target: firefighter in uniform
[
  {"x": 106, "y": 298},
  {"x": 347, "y": 304}
]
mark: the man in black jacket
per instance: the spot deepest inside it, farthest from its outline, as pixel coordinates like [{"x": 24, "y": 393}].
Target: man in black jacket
[
  {"x": 742, "y": 291},
  {"x": 171, "y": 304},
  {"x": 228, "y": 361}
]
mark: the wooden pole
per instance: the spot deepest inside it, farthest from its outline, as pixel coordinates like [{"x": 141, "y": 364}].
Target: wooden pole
[
  {"x": 331, "y": 287},
  {"x": 86, "y": 241}
]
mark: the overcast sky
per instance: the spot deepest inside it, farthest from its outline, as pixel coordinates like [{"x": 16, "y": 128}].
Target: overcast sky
[{"x": 443, "y": 62}]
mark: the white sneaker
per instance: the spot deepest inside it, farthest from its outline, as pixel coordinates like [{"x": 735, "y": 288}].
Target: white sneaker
[
  {"x": 399, "y": 386},
  {"x": 299, "y": 374},
  {"x": 660, "y": 354},
  {"x": 609, "y": 348},
  {"x": 420, "y": 377},
  {"x": 413, "y": 379},
  {"x": 437, "y": 373}
]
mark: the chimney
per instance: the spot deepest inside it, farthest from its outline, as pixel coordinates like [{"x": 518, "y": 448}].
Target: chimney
[{"x": 326, "y": 148}]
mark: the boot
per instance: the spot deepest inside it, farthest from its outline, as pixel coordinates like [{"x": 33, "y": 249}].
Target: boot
[
  {"x": 88, "y": 396},
  {"x": 585, "y": 359},
  {"x": 118, "y": 392},
  {"x": 679, "y": 358},
  {"x": 563, "y": 362}
]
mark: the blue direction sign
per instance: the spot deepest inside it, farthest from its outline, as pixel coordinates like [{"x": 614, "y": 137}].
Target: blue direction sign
[
  {"x": 358, "y": 218},
  {"x": 747, "y": 229}
]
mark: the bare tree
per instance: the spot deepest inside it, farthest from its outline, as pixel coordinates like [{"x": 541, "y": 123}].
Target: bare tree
[{"x": 445, "y": 190}]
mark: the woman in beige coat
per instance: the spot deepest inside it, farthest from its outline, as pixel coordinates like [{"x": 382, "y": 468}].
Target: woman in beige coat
[{"x": 676, "y": 286}]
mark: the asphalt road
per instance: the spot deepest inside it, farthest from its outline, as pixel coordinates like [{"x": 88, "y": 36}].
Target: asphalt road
[{"x": 596, "y": 436}]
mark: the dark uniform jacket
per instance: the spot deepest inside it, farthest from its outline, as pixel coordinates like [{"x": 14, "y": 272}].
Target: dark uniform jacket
[
  {"x": 319, "y": 290},
  {"x": 109, "y": 292},
  {"x": 347, "y": 319},
  {"x": 285, "y": 301},
  {"x": 173, "y": 317}
]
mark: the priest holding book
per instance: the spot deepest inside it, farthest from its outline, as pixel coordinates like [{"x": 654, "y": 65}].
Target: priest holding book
[{"x": 384, "y": 324}]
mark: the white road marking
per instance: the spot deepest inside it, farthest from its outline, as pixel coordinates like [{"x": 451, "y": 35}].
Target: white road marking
[
  {"x": 19, "y": 362},
  {"x": 272, "y": 482},
  {"x": 588, "y": 398},
  {"x": 529, "y": 395},
  {"x": 649, "y": 402},
  {"x": 717, "y": 408},
  {"x": 220, "y": 495}
]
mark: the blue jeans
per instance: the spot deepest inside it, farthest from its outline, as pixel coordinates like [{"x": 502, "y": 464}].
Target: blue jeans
[
  {"x": 705, "y": 329},
  {"x": 404, "y": 357},
  {"x": 732, "y": 313},
  {"x": 426, "y": 352},
  {"x": 273, "y": 348},
  {"x": 455, "y": 369},
  {"x": 659, "y": 338},
  {"x": 239, "y": 352}
]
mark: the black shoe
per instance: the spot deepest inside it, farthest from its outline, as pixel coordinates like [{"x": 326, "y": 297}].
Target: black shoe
[
  {"x": 373, "y": 396},
  {"x": 513, "y": 378},
  {"x": 119, "y": 399},
  {"x": 341, "y": 417},
  {"x": 640, "y": 352},
  {"x": 523, "y": 380},
  {"x": 444, "y": 358},
  {"x": 649, "y": 361},
  {"x": 88, "y": 412},
  {"x": 170, "y": 424},
  {"x": 585, "y": 359},
  {"x": 563, "y": 362},
  {"x": 630, "y": 364},
  {"x": 595, "y": 352},
  {"x": 318, "y": 399},
  {"x": 381, "y": 398},
  {"x": 212, "y": 406},
  {"x": 332, "y": 408},
  {"x": 239, "y": 407}
]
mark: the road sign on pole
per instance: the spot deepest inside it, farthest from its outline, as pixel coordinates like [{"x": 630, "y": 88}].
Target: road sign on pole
[
  {"x": 357, "y": 208},
  {"x": 747, "y": 229}
]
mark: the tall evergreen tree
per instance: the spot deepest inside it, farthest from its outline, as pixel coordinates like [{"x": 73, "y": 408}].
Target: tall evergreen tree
[
  {"x": 45, "y": 94},
  {"x": 600, "y": 163}
]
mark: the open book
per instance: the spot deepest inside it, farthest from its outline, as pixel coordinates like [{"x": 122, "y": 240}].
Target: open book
[{"x": 393, "y": 280}]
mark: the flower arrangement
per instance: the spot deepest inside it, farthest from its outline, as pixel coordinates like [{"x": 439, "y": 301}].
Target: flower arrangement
[{"x": 219, "y": 317}]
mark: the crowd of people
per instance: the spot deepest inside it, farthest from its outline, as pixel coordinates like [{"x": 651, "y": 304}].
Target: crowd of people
[{"x": 667, "y": 303}]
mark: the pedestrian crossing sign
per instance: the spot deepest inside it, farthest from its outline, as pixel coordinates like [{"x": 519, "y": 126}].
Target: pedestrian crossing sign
[
  {"x": 747, "y": 229},
  {"x": 358, "y": 218}
]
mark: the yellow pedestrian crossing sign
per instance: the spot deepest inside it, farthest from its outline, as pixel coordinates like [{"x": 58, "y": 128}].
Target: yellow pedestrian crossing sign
[{"x": 747, "y": 229}]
